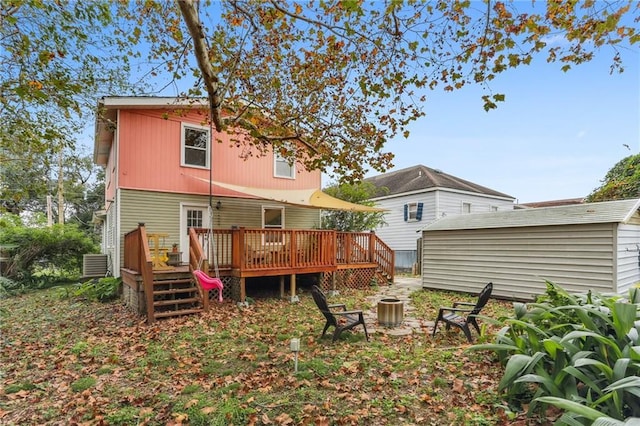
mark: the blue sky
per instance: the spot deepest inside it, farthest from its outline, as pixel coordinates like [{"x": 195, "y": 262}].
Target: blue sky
[{"x": 555, "y": 137}]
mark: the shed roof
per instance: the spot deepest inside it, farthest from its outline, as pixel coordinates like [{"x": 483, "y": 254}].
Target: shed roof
[
  {"x": 420, "y": 178},
  {"x": 606, "y": 212}
]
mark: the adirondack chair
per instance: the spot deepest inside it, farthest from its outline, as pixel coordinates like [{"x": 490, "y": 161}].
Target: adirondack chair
[
  {"x": 451, "y": 317},
  {"x": 340, "y": 319}
]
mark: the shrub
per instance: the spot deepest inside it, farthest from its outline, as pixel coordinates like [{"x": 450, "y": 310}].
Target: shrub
[
  {"x": 99, "y": 290},
  {"x": 580, "y": 353},
  {"x": 41, "y": 255}
]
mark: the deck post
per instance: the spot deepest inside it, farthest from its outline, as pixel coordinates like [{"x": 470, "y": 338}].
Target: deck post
[
  {"x": 293, "y": 298},
  {"x": 243, "y": 292},
  {"x": 281, "y": 286},
  {"x": 333, "y": 291},
  {"x": 372, "y": 247}
]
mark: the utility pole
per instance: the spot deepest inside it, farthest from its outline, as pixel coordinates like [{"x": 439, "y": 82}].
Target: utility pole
[{"x": 60, "y": 190}]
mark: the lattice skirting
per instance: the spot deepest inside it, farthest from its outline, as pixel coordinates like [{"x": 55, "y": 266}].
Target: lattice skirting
[
  {"x": 228, "y": 290},
  {"x": 349, "y": 278}
]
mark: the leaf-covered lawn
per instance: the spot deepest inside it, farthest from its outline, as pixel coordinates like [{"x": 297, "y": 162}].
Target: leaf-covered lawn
[{"x": 67, "y": 361}]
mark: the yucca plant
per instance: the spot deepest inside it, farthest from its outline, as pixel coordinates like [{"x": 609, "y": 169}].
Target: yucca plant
[{"x": 573, "y": 351}]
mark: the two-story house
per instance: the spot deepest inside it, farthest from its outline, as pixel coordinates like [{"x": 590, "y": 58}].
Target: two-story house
[
  {"x": 160, "y": 158},
  {"x": 247, "y": 214},
  {"x": 418, "y": 195}
]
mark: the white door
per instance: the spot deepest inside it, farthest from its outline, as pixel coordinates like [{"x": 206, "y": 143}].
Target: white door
[{"x": 191, "y": 216}]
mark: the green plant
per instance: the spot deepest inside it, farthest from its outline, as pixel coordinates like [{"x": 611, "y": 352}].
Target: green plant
[
  {"x": 9, "y": 287},
  {"x": 17, "y": 387},
  {"x": 100, "y": 290},
  {"x": 41, "y": 255},
  {"x": 578, "y": 348},
  {"x": 83, "y": 384}
]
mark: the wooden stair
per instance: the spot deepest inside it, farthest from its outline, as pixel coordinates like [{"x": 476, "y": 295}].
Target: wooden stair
[
  {"x": 383, "y": 278},
  {"x": 175, "y": 296}
]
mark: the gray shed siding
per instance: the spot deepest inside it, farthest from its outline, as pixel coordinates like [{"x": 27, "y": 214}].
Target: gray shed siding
[
  {"x": 518, "y": 260},
  {"x": 628, "y": 251}
]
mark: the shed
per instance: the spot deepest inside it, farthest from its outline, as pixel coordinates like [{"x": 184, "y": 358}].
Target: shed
[{"x": 594, "y": 246}]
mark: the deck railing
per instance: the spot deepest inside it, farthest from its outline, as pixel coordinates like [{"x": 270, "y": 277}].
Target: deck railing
[
  {"x": 260, "y": 249},
  {"x": 253, "y": 252}
]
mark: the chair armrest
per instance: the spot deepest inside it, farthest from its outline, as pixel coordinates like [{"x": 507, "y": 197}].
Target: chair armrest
[
  {"x": 454, "y": 310},
  {"x": 348, "y": 313},
  {"x": 456, "y": 304},
  {"x": 338, "y": 305}
]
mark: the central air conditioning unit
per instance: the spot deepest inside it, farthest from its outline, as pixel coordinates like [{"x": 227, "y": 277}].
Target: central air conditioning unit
[{"x": 94, "y": 265}]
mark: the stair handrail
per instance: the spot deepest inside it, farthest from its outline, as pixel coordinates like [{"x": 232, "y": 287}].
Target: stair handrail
[
  {"x": 384, "y": 257},
  {"x": 145, "y": 267}
]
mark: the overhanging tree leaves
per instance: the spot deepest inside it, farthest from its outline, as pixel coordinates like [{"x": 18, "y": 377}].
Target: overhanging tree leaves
[
  {"x": 55, "y": 58},
  {"x": 342, "y": 77},
  {"x": 346, "y": 76},
  {"x": 620, "y": 183}
]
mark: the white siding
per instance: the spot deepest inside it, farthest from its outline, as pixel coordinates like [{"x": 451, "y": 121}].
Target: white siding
[
  {"x": 450, "y": 203},
  {"x": 518, "y": 260},
  {"x": 628, "y": 257},
  {"x": 401, "y": 235},
  {"x": 398, "y": 234}
]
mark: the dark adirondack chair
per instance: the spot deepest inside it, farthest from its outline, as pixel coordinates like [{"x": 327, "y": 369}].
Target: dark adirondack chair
[
  {"x": 337, "y": 315},
  {"x": 462, "y": 317}
]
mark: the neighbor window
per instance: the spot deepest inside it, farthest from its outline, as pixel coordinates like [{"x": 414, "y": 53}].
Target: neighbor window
[
  {"x": 282, "y": 168},
  {"x": 466, "y": 207},
  {"x": 494, "y": 208},
  {"x": 195, "y": 146},
  {"x": 413, "y": 212},
  {"x": 273, "y": 218}
]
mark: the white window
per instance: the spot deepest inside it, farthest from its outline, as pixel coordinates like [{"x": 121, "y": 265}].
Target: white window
[
  {"x": 273, "y": 218},
  {"x": 494, "y": 208},
  {"x": 195, "y": 146},
  {"x": 194, "y": 218},
  {"x": 413, "y": 212},
  {"x": 466, "y": 207},
  {"x": 282, "y": 168}
]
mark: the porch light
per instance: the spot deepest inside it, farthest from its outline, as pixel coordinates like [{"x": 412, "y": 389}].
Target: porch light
[
  {"x": 295, "y": 348},
  {"x": 218, "y": 205}
]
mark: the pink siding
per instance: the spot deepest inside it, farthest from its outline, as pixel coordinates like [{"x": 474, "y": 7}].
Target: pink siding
[
  {"x": 150, "y": 159},
  {"x": 110, "y": 175}
]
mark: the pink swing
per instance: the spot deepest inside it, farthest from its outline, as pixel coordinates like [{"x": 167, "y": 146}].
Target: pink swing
[{"x": 208, "y": 283}]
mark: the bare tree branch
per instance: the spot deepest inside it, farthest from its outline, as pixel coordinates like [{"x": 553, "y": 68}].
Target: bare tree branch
[{"x": 211, "y": 82}]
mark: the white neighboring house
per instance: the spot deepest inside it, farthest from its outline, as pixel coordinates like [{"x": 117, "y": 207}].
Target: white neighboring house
[{"x": 418, "y": 195}]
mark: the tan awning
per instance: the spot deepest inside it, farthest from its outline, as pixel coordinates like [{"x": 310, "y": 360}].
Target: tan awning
[{"x": 313, "y": 198}]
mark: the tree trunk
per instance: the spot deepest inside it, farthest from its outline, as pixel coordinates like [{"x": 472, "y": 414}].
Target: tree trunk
[{"x": 211, "y": 82}]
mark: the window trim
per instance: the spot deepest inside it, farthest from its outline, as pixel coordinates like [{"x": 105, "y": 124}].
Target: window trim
[
  {"x": 207, "y": 150},
  {"x": 265, "y": 226},
  {"x": 464, "y": 203},
  {"x": 414, "y": 207},
  {"x": 278, "y": 158}
]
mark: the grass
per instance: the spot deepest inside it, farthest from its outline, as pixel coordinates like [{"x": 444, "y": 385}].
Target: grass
[{"x": 68, "y": 361}]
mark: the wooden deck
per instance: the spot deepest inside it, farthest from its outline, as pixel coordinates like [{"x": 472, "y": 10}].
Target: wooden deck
[{"x": 238, "y": 254}]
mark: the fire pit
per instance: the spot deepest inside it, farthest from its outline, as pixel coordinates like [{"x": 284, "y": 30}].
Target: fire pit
[{"x": 390, "y": 312}]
